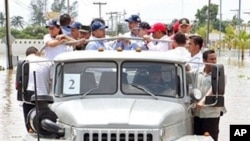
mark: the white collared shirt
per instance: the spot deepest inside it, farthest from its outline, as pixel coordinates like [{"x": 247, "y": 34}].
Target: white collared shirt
[
  {"x": 52, "y": 52},
  {"x": 160, "y": 46},
  {"x": 198, "y": 59},
  {"x": 203, "y": 83}
]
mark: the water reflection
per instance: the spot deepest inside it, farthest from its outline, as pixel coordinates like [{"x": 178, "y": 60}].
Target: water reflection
[
  {"x": 7, "y": 80},
  {"x": 10, "y": 112},
  {"x": 239, "y": 63},
  {"x": 237, "y": 100}
]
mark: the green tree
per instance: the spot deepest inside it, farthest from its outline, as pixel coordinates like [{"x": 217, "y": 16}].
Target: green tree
[
  {"x": 2, "y": 19},
  {"x": 202, "y": 31},
  {"x": 235, "y": 20},
  {"x": 29, "y": 32},
  {"x": 38, "y": 12},
  {"x": 202, "y": 14},
  {"x": 2, "y": 32},
  {"x": 216, "y": 25},
  {"x": 17, "y": 21},
  {"x": 36, "y": 32},
  {"x": 60, "y": 7}
]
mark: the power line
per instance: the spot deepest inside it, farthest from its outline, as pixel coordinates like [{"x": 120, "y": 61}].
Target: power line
[
  {"x": 112, "y": 15},
  {"x": 26, "y": 7},
  {"x": 100, "y": 7}
]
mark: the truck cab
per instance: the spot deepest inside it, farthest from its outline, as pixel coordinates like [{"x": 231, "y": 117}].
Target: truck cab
[{"x": 116, "y": 96}]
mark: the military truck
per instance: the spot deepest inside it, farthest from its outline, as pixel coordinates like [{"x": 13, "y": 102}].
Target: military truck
[{"x": 107, "y": 95}]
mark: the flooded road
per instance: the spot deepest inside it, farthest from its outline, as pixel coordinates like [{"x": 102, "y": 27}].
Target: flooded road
[{"x": 237, "y": 99}]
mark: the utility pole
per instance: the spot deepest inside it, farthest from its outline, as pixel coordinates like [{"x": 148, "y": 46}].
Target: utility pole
[
  {"x": 112, "y": 18},
  {"x": 247, "y": 28},
  {"x": 208, "y": 22},
  {"x": 239, "y": 26},
  {"x": 123, "y": 15},
  {"x": 8, "y": 44},
  {"x": 100, "y": 7},
  {"x": 68, "y": 7},
  {"x": 220, "y": 27}
]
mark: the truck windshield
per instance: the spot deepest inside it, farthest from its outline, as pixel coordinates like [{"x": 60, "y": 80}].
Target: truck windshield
[
  {"x": 160, "y": 79},
  {"x": 81, "y": 78}
]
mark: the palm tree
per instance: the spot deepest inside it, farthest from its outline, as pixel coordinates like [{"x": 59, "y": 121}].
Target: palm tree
[
  {"x": 2, "y": 19},
  {"x": 242, "y": 40},
  {"x": 230, "y": 36},
  {"x": 60, "y": 7},
  {"x": 17, "y": 21},
  {"x": 37, "y": 12}
]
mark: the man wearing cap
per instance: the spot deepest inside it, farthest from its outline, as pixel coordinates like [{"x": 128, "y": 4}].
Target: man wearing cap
[
  {"x": 98, "y": 31},
  {"x": 142, "y": 28},
  {"x": 85, "y": 33},
  {"x": 133, "y": 23},
  {"x": 75, "y": 33},
  {"x": 183, "y": 26},
  {"x": 55, "y": 39},
  {"x": 159, "y": 31}
]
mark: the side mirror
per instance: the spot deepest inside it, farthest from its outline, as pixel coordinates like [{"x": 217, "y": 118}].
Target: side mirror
[
  {"x": 218, "y": 87},
  {"x": 218, "y": 79},
  {"x": 215, "y": 100}
]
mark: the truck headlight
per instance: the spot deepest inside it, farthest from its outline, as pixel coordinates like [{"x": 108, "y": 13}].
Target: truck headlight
[
  {"x": 167, "y": 134},
  {"x": 70, "y": 132}
]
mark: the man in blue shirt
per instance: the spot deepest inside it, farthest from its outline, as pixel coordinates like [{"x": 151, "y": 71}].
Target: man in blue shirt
[
  {"x": 98, "y": 31},
  {"x": 75, "y": 33},
  {"x": 133, "y": 24}
]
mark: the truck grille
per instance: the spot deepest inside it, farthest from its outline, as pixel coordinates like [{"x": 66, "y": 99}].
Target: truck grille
[{"x": 117, "y": 137}]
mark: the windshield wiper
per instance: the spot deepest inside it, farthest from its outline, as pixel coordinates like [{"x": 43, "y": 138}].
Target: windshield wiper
[
  {"x": 88, "y": 92},
  {"x": 145, "y": 90}
]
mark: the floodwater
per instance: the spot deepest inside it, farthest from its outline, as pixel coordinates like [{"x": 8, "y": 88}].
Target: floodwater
[{"x": 237, "y": 98}]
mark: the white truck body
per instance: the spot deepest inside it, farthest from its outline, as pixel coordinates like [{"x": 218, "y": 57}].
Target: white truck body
[{"x": 125, "y": 113}]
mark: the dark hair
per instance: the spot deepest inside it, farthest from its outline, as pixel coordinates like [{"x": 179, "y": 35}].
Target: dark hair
[
  {"x": 31, "y": 50},
  {"x": 97, "y": 19},
  {"x": 197, "y": 40},
  {"x": 206, "y": 53},
  {"x": 65, "y": 20},
  {"x": 180, "y": 38}
]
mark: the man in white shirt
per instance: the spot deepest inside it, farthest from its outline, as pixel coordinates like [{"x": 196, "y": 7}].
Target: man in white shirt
[
  {"x": 179, "y": 42},
  {"x": 159, "y": 31},
  {"x": 42, "y": 68},
  {"x": 195, "y": 44}
]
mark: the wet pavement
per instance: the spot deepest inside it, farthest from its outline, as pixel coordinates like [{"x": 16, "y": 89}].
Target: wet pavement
[{"x": 237, "y": 99}]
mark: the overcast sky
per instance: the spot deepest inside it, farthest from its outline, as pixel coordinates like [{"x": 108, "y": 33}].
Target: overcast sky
[{"x": 151, "y": 11}]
